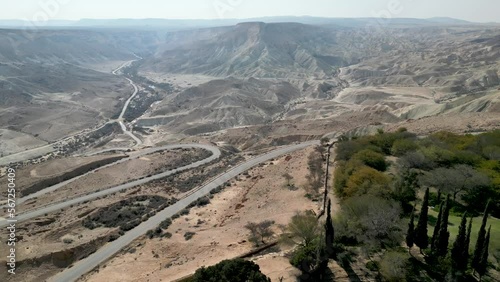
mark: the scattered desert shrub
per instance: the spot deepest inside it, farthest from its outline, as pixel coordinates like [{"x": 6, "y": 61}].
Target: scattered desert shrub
[{"x": 188, "y": 235}]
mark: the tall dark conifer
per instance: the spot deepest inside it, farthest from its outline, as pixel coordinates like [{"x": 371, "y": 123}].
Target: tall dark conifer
[
  {"x": 421, "y": 238},
  {"x": 329, "y": 230},
  {"x": 467, "y": 243},
  {"x": 480, "y": 239},
  {"x": 483, "y": 262},
  {"x": 443, "y": 234},
  {"x": 436, "y": 228},
  {"x": 459, "y": 262}
]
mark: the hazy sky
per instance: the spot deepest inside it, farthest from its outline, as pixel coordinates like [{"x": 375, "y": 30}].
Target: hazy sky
[{"x": 472, "y": 10}]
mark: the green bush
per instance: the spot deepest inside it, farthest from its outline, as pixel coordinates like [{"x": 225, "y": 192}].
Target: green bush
[
  {"x": 403, "y": 146},
  {"x": 393, "y": 266},
  {"x": 166, "y": 223},
  {"x": 236, "y": 270},
  {"x": 311, "y": 259},
  {"x": 372, "y": 266},
  {"x": 189, "y": 235},
  {"x": 372, "y": 159}
]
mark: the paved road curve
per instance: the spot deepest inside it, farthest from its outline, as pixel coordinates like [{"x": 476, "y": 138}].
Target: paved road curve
[
  {"x": 127, "y": 103},
  {"x": 55, "y": 207},
  {"x": 82, "y": 267}
]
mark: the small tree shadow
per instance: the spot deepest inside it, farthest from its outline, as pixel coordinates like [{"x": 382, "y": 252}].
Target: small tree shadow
[
  {"x": 344, "y": 259},
  {"x": 353, "y": 277}
]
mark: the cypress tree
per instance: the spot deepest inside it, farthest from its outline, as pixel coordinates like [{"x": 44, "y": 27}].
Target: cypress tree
[
  {"x": 443, "y": 234},
  {"x": 467, "y": 243},
  {"x": 457, "y": 252},
  {"x": 483, "y": 262},
  {"x": 439, "y": 196},
  {"x": 480, "y": 240},
  {"x": 421, "y": 239},
  {"x": 410, "y": 235},
  {"x": 329, "y": 231},
  {"x": 436, "y": 228}
]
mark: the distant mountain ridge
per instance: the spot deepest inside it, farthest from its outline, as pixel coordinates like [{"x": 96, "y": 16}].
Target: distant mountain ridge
[{"x": 189, "y": 23}]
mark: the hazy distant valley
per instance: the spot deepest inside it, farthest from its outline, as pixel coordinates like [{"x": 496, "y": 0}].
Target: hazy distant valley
[{"x": 248, "y": 74}]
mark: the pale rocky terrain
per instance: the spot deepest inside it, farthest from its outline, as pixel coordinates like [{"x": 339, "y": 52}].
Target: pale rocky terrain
[{"x": 219, "y": 227}]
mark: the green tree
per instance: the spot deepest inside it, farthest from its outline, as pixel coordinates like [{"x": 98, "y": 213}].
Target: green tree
[
  {"x": 366, "y": 180},
  {"x": 310, "y": 256},
  {"x": 302, "y": 230},
  {"x": 372, "y": 222},
  {"x": 438, "y": 199},
  {"x": 476, "y": 258},
  {"x": 465, "y": 255},
  {"x": 483, "y": 262},
  {"x": 436, "y": 228},
  {"x": 372, "y": 159},
  {"x": 410, "y": 234},
  {"x": 329, "y": 230},
  {"x": 444, "y": 234},
  {"x": 311, "y": 260},
  {"x": 403, "y": 146},
  {"x": 236, "y": 270},
  {"x": 405, "y": 189},
  {"x": 458, "y": 258},
  {"x": 460, "y": 178},
  {"x": 394, "y": 266},
  {"x": 421, "y": 238}
]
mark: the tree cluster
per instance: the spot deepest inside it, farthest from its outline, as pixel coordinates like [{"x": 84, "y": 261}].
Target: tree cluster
[{"x": 439, "y": 242}]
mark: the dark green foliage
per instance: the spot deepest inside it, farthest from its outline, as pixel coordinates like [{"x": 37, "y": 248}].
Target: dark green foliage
[
  {"x": 157, "y": 232},
  {"x": 421, "y": 238},
  {"x": 166, "y": 223},
  {"x": 465, "y": 254},
  {"x": 435, "y": 233},
  {"x": 372, "y": 266},
  {"x": 483, "y": 261},
  {"x": 478, "y": 251},
  {"x": 385, "y": 141},
  {"x": 372, "y": 159},
  {"x": 370, "y": 221},
  {"x": 310, "y": 256},
  {"x": 474, "y": 199},
  {"x": 393, "y": 266},
  {"x": 458, "y": 254},
  {"x": 329, "y": 230},
  {"x": 403, "y": 146},
  {"x": 202, "y": 201},
  {"x": 128, "y": 213},
  {"x": 405, "y": 190},
  {"x": 443, "y": 234},
  {"x": 236, "y": 270},
  {"x": 188, "y": 235},
  {"x": 410, "y": 234},
  {"x": 311, "y": 260}
]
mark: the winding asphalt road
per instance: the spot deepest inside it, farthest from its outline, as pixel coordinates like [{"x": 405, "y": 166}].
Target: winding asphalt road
[
  {"x": 83, "y": 266},
  {"x": 104, "y": 253},
  {"x": 57, "y": 206},
  {"x": 127, "y": 103}
]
